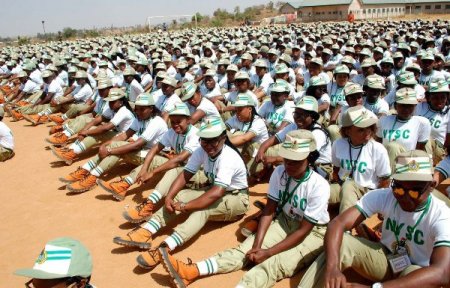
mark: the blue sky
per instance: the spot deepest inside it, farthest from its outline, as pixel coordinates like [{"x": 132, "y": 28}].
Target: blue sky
[{"x": 23, "y": 17}]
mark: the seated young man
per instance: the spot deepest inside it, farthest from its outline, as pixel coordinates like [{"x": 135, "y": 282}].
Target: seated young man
[{"x": 414, "y": 250}]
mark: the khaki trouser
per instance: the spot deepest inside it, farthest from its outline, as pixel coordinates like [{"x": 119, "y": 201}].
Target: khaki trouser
[
  {"x": 347, "y": 194},
  {"x": 248, "y": 152},
  {"x": 277, "y": 267},
  {"x": 5, "y": 153},
  {"x": 32, "y": 98},
  {"x": 75, "y": 109},
  {"x": 228, "y": 208},
  {"x": 90, "y": 141},
  {"x": 105, "y": 164},
  {"x": 335, "y": 132},
  {"x": 30, "y": 109},
  {"x": 226, "y": 115},
  {"x": 436, "y": 149},
  {"x": 76, "y": 125},
  {"x": 394, "y": 149},
  {"x": 156, "y": 162},
  {"x": 365, "y": 257},
  {"x": 198, "y": 181}
]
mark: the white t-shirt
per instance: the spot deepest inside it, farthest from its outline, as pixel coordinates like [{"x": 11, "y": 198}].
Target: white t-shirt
[
  {"x": 146, "y": 78},
  {"x": 408, "y": 133},
  {"x": 30, "y": 87},
  {"x": 226, "y": 170},
  {"x": 263, "y": 83},
  {"x": 434, "y": 76},
  {"x": 210, "y": 93},
  {"x": 309, "y": 198},
  {"x": 431, "y": 231},
  {"x": 336, "y": 93},
  {"x": 322, "y": 143},
  {"x": 439, "y": 122},
  {"x": 275, "y": 115},
  {"x": 165, "y": 104},
  {"x": 6, "y": 137},
  {"x": 379, "y": 107},
  {"x": 206, "y": 106},
  {"x": 258, "y": 127},
  {"x": 369, "y": 162},
  {"x": 83, "y": 94},
  {"x": 444, "y": 167},
  {"x": 122, "y": 119},
  {"x": 232, "y": 97},
  {"x": 54, "y": 87},
  {"x": 151, "y": 130},
  {"x": 133, "y": 90},
  {"x": 180, "y": 142}
]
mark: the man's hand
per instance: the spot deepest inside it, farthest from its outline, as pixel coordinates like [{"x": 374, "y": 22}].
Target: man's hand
[
  {"x": 103, "y": 152},
  {"x": 335, "y": 279},
  {"x": 169, "y": 204},
  {"x": 144, "y": 176},
  {"x": 258, "y": 255}
]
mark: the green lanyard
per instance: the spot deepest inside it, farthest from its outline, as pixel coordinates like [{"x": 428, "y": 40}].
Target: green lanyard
[
  {"x": 178, "y": 147},
  {"x": 288, "y": 195},
  {"x": 425, "y": 211}
]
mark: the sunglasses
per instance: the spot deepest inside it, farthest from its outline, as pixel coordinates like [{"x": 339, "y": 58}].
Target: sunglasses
[{"x": 413, "y": 193}]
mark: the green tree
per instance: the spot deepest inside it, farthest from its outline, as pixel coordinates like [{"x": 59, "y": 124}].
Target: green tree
[
  {"x": 270, "y": 5},
  {"x": 199, "y": 16},
  {"x": 69, "y": 32}
]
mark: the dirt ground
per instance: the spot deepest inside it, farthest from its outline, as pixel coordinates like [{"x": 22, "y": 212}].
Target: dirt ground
[{"x": 36, "y": 208}]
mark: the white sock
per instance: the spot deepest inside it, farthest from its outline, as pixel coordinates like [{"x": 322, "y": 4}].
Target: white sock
[
  {"x": 97, "y": 171},
  {"x": 88, "y": 166},
  {"x": 155, "y": 196},
  {"x": 152, "y": 225},
  {"x": 208, "y": 266},
  {"x": 129, "y": 180},
  {"x": 173, "y": 241},
  {"x": 67, "y": 133},
  {"x": 64, "y": 117},
  {"x": 77, "y": 147},
  {"x": 240, "y": 286}
]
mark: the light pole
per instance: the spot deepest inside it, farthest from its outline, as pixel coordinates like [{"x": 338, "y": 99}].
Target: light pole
[{"x": 43, "y": 26}]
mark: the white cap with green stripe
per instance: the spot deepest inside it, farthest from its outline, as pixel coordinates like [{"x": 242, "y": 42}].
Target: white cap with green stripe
[
  {"x": 188, "y": 90},
  {"x": 297, "y": 145},
  {"x": 243, "y": 100},
  {"x": 60, "y": 258},
  {"x": 414, "y": 165},
  {"x": 180, "y": 109},
  {"x": 211, "y": 128}
]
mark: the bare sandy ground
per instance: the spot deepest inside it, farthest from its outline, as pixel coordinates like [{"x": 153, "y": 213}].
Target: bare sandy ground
[{"x": 36, "y": 207}]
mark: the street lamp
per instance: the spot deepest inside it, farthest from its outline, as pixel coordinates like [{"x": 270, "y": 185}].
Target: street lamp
[{"x": 43, "y": 26}]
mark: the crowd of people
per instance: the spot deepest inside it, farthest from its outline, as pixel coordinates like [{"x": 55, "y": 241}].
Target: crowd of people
[{"x": 344, "y": 120}]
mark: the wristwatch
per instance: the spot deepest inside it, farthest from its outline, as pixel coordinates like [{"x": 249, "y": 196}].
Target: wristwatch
[
  {"x": 182, "y": 206},
  {"x": 108, "y": 149},
  {"x": 377, "y": 285}
]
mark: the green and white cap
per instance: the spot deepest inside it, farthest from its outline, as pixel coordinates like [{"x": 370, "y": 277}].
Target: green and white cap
[
  {"x": 317, "y": 61},
  {"x": 341, "y": 69},
  {"x": 129, "y": 72},
  {"x": 180, "y": 109},
  {"x": 407, "y": 78},
  {"x": 358, "y": 116},
  {"x": 47, "y": 73},
  {"x": 279, "y": 87},
  {"x": 72, "y": 69},
  {"x": 211, "y": 127},
  {"x": 375, "y": 81},
  {"x": 60, "y": 258},
  {"x": 188, "y": 90},
  {"x": 260, "y": 63},
  {"x": 81, "y": 74},
  {"x": 170, "y": 81},
  {"x": 438, "y": 86},
  {"x": 22, "y": 74},
  {"x": 144, "y": 99},
  {"x": 115, "y": 94},
  {"x": 406, "y": 96},
  {"x": 281, "y": 69},
  {"x": 104, "y": 83},
  {"x": 242, "y": 75},
  {"x": 352, "y": 88},
  {"x": 388, "y": 60},
  {"x": 428, "y": 56},
  {"x": 317, "y": 81},
  {"x": 243, "y": 100},
  {"x": 414, "y": 165},
  {"x": 308, "y": 103},
  {"x": 368, "y": 62},
  {"x": 232, "y": 67},
  {"x": 399, "y": 54},
  {"x": 297, "y": 145}
]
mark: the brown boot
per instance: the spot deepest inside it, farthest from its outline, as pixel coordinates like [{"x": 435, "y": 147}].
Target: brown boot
[
  {"x": 56, "y": 118},
  {"x": 55, "y": 129},
  {"x": 84, "y": 185},
  {"x": 138, "y": 237},
  {"x": 139, "y": 213},
  {"x": 75, "y": 176},
  {"x": 118, "y": 188},
  {"x": 66, "y": 155},
  {"x": 181, "y": 274},
  {"x": 57, "y": 139},
  {"x": 149, "y": 259},
  {"x": 16, "y": 115}
]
